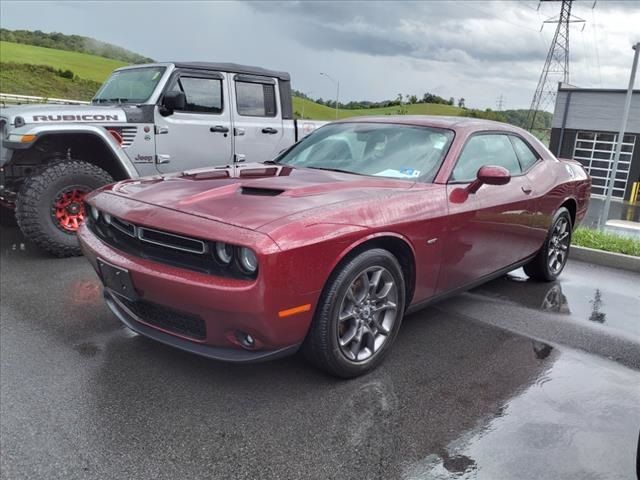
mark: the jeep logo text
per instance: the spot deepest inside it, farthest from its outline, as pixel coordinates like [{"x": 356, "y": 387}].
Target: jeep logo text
[{"x": 75, "y": 118}]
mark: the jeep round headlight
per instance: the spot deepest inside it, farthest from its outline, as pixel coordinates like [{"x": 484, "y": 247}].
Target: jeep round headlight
[
  {"x": 95, "y": 213},
  {"x": 224, "y": 252},
  {"x": 248, "y": 260}
]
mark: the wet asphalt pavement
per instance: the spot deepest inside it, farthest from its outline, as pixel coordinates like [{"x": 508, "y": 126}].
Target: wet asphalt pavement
[{"x": 514, "y": 380}]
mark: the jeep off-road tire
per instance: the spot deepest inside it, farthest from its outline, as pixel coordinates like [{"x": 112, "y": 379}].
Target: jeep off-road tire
[
  {"x": 353, "y": 301},
  {"x": 49, "y": 205},
  {"x": 7, "y": 217}
]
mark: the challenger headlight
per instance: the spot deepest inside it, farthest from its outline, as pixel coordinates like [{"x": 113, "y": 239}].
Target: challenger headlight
[
  {"x": 95, "y": 213},
  {"x": 248, "y": 260},
  {"x": 224, "y": 252}
]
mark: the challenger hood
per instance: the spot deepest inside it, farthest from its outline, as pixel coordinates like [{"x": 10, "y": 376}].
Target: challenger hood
[{"x": 254, "y": 195}]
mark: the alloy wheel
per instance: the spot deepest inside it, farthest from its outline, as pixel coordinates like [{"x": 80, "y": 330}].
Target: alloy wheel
[
  {"x": 558, "y": 247},
  {"x": 68, "y": 209},
  {"x": 367, "y": 313}
]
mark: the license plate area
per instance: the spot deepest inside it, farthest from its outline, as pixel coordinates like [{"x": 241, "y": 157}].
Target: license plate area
[{"x": 117, "y": 279}]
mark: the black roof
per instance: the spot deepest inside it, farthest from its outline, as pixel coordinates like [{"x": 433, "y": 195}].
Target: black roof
[
  {"x": 234, "y": 68},
  {"x": 566, "y": 87}
]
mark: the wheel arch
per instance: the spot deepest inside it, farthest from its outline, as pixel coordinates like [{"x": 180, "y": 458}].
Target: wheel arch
[
  {"x": 396, "y": 244},
  {"x": 92, "y": 145},
  {"x": 572, "y": 205}
]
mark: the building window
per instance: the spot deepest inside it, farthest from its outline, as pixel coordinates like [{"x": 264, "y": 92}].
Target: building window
[{"x": 595, "y": 150}]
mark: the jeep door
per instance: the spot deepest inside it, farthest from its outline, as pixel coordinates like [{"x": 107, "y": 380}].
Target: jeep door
[
  {"x": 200, "y": 134},
  {"x": 258, "y": 133}
]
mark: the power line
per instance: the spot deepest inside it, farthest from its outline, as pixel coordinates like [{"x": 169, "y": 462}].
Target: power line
[
  {"x": 556, "y": 66},
  {"x": 595, "y": 43}
]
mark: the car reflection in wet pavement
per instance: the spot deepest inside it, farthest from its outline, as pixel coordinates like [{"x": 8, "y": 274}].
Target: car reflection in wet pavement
[{"x": 511, "y": 380}]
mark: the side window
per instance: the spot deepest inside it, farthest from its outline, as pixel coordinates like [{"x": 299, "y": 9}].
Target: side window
[
  {"x": 481, "y": 150},
  {"x": 256, "y": 99},
  {"x": 204, "y": 95},
  {"x": 526, "y": 156}
]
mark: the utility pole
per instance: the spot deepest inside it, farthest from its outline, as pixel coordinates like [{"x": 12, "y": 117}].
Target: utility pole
[
  {"x": 500, "y": 103},
  {"x": 337, "y": 84},
  {"x": 556, "y": 66},
  {"x": 304, "y": 100},
  {"x": 623, "y": 127}
]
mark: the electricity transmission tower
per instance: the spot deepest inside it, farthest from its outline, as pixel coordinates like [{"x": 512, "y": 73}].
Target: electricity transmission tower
[
  {"x": 556, "y": 67},
  {"x": 500, "y": 103}
]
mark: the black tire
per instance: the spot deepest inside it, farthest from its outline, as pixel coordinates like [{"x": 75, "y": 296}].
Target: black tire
[
  {"x": 7, "y": 217},
  {"x": 321, "y": 346},
  {"x": 538, "y": 268},
  {"x": 35, "y": 203}
]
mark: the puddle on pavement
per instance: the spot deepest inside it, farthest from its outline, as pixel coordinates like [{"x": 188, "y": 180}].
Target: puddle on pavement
[
  {"x": 579, "y": 293},
  {"x": 579, "y": 419}
]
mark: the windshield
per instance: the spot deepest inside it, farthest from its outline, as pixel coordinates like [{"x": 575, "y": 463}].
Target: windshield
[
  {"x": 129, "y": 86},
  {"x": 376, "y": 149}
]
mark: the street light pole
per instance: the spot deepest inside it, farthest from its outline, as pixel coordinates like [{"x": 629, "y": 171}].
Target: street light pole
[
  {"x": 623, "y": 127},
  {"x": 337, "y": 84}
]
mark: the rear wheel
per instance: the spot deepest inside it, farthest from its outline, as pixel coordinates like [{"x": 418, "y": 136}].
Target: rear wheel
[
  {"x": 50, "y": 208},
  {"x": 358, "y": 316},
  {"x": 548, "y": 264}
]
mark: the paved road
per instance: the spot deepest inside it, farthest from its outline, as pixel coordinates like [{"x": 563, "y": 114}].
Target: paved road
[{"x": 513, "y": 380}]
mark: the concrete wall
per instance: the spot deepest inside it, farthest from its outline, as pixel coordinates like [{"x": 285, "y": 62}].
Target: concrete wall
[{"x": 596, "y": 110}]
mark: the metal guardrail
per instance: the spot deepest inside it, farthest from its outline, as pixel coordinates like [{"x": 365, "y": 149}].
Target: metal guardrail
[{"x": 11, "y": 99}]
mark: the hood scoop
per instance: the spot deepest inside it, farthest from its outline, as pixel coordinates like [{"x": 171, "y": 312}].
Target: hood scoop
[{"x": 261, "y": 191}]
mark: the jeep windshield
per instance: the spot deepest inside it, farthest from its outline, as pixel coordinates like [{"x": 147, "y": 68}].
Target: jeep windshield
[
  {"x": 374, "y": 149},
  {"x": 133, "y": 85}
]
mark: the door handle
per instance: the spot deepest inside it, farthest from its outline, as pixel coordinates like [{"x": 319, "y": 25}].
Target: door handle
[
  {"x": 219, "y": 129},
  {"x": 527, "y": 189},
  {"x": 269, "y": 130}
]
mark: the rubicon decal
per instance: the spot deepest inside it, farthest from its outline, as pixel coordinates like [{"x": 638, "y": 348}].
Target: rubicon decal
[{"x": 75, "y": 118}]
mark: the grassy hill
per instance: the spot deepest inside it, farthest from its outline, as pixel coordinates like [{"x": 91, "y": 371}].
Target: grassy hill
[
  {"x": 322, "y": 112},
  {"x": 73, "y": 43},
  {"x": 88, "y": 67},
  {"x": 43, "y": 81}
]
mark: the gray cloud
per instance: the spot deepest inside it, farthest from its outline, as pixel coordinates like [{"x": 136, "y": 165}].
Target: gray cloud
[{"x": 476, "y": 49}]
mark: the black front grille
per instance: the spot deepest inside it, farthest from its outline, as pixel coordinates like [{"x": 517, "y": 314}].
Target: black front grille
[
  {"x": 163, "y": 247},
  {"x": 168, "y": 319}
]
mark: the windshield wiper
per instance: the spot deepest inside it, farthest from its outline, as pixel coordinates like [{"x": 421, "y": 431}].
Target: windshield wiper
[
  {"x": 336, "y": 170},
  {"x": 106, "y": 100}
]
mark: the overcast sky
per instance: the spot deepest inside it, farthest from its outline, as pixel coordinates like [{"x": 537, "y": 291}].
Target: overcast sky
[{"x": 475, "y": 49}]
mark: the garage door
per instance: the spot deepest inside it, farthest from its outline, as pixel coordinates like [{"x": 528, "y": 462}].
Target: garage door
[{"x": 595, "y": 150}]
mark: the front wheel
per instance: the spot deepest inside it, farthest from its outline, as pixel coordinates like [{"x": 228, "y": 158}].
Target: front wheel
[
  {"x": 548, "y": 264},
  {"x": 50, "y": 208},
  {"x": 358, "y": 315}
]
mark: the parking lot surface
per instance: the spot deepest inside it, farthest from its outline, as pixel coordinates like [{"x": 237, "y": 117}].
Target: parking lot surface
[{"x": 515, "y": 379}]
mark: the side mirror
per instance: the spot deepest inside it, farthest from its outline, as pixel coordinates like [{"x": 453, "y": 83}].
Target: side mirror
[
  {"x": 487, "y": 175},
  {"x": 490, "y": 175},
  {"x": 173, "y": 101}
]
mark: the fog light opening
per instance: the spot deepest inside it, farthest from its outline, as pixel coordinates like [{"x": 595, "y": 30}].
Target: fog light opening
[{"x": 246, "y": 340}]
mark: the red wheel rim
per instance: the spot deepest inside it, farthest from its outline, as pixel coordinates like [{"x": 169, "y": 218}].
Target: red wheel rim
[{"x": 68, "y": 209}]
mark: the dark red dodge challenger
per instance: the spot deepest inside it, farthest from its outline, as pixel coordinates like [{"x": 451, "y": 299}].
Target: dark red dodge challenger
[{"x": 327, "y": 246}]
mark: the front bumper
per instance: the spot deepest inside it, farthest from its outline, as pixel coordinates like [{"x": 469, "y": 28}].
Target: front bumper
[
  {"x": 225, "y": 305},
  {"x": 234, "y": 355}
]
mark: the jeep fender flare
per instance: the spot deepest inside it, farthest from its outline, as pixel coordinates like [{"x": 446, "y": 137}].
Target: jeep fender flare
[{"x": 42, "y": 131}]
